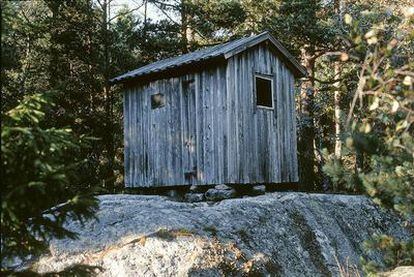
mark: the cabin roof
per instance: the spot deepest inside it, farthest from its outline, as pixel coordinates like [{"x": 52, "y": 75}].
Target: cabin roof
[{"x": 224, "y": 50}]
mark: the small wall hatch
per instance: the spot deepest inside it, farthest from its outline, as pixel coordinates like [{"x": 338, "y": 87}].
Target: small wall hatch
[{"x": 157, "y": 101}]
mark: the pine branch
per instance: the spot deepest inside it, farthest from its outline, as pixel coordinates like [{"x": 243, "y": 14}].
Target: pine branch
[
  {"x": 326, "y": 81},
  {"x": 127, "y": 12}
]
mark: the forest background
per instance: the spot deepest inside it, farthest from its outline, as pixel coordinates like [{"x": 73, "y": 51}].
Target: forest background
[{"x": 62, "y": 120}]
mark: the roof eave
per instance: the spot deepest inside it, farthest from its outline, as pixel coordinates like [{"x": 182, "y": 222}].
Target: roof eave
[{"x": 171, "y": 72}]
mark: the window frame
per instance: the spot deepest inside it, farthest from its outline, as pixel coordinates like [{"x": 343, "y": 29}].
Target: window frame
[{"x": 269, "y": 77}]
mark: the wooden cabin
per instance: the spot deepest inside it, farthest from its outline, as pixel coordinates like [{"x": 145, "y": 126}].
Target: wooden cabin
[{"x": 220, "y": 115}]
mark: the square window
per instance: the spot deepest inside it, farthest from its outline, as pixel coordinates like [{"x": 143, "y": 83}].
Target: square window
[
  {"x": 264, "y": 91},
  {"x": 157, "y": 101}
]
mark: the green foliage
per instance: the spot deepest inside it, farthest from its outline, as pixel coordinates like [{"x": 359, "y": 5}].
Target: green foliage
[
  {"x": 381, "y": 131},
  {"x": 210, "y": 17},
  {"x": 311, "y": 23},
  {"x": 39, "y": 177},
  {"x": 360, "y": 50},
  {"x": 21, "y": 61},
  {"x": 342, "y": 174},
  {"x": 396, "y": 252}
]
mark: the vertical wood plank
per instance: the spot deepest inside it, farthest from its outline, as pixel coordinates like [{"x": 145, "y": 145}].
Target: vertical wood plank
[
  {"x": 126, "y": 137},
  {"x": 234, "y": 141}
]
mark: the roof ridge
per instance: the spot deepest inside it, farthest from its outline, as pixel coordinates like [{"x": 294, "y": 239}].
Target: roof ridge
[{"x": 225, "y": 50}]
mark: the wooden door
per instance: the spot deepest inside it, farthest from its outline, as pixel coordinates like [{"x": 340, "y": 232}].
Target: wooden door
[{"x": 188, "y": 120}]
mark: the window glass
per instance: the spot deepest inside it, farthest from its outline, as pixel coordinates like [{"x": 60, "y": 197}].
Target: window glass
[{"x": 264, "y": 92}]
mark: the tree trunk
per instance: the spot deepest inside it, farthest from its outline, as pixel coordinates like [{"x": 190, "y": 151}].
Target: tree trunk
[
  {"x": 54, "y": 54},
  {"x": 337, "y": 118},
  {"x": 145, "y": 18},
  {"x": 108, "y": 139},
  {"x": 337, "y": 99},
  {"x": 306, "y": 142},
  {"x": 184, "y": 27}
]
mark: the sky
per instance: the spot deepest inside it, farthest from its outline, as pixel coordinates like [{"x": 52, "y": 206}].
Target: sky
[{"x": 152, "y": 11}]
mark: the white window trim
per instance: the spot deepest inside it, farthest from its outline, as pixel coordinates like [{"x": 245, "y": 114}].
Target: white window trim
[{"x": 267, "y": 77}]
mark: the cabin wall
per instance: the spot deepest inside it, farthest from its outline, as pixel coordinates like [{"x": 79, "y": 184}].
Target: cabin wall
[
  {"x": 261, "y": 145},
  {"x": 212, "y": 127},
  {"x": 162, "y": 146}
]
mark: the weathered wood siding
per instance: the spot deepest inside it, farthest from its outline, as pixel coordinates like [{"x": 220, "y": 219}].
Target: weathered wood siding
[
  {"x": 211, "y": 127},
  {"x": 262, "y": 142}
]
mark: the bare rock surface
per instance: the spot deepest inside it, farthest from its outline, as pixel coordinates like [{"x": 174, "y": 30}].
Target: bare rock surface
[
  {"x": 194, "y": 197},
  {"x": 215, "y": 194},
  {"x": 276, "y": 234},
  {"x": 259, "y": 189},
  {"x": 401, "y": 271}
]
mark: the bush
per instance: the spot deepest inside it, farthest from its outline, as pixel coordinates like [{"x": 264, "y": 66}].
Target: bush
[
  {"x": 39, "y": 166},
  {"x": 380, "y": 130}
]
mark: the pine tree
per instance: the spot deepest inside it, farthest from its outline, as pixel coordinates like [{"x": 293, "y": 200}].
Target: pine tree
[{"x": 39, "y": 180}]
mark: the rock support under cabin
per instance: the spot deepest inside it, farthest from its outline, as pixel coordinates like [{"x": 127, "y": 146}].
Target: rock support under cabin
[{"x": 281, "y": 234}]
